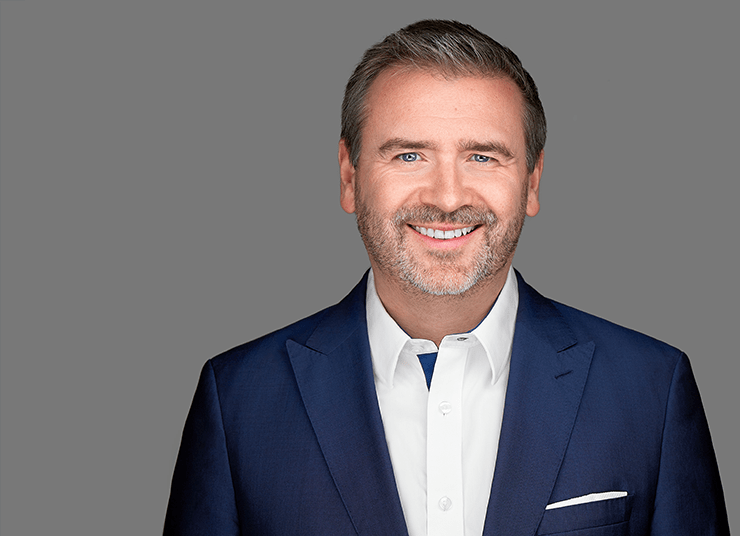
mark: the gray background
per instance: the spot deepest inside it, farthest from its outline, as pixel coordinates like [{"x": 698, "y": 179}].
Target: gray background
[{"x": 170, "y": 190}]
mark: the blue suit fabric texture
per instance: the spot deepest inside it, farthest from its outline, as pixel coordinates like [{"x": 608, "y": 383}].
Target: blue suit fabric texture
[{"x": 285, "y": 436}]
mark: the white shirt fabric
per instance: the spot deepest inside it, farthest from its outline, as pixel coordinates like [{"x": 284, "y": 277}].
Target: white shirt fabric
[{"x": 443, "y": 440}]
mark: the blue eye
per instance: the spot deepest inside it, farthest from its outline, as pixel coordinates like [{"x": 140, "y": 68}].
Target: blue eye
[
  {"x": 409, "y": 157},
  {"x": 481, "y": 159}
]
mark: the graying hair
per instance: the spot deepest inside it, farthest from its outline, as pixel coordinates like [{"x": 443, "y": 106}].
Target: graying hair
[{"x": 452, "y": 49}]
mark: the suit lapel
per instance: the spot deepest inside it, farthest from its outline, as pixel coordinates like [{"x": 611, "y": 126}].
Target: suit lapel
[
  {"x": 334, "y": 374},
  {"x": 548, "y": 373}
]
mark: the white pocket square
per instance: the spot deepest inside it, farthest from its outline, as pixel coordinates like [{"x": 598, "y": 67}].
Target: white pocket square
[{"x": 591, "y": 497}]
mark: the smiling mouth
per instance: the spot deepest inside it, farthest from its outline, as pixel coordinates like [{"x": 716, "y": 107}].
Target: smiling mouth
[{"x": 443, "y": 235}]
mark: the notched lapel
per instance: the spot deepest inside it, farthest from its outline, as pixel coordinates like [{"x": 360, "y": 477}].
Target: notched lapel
[
  {"x": 549, "y": 368},
  {"x": 336, "y": 383}
]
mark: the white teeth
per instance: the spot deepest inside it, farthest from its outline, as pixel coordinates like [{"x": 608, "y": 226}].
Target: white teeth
[{"x": 443, "y": 235}]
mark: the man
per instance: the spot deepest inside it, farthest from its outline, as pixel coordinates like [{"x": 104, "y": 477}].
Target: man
[{"x": 445, "y": 396}]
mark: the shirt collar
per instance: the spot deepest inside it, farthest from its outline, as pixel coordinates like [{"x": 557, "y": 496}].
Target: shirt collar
[{"x": 495, "y": 333}]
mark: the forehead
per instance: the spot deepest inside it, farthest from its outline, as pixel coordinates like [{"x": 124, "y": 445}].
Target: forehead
[{"x": 414, "y": 102}]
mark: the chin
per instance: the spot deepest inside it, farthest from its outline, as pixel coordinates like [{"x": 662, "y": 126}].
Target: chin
[{"x": 443, "y": 282}]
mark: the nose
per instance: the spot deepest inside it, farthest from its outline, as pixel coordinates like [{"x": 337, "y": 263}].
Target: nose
[{"x": 446, "y": 188}]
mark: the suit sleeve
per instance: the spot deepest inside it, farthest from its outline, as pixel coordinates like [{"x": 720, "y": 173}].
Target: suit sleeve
[
  {"x": 689, "y": 499},
  {"x": 202, "y": 497}
]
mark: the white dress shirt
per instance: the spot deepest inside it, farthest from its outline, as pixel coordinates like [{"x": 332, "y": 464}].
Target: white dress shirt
[{"x": 443, "y": 440}]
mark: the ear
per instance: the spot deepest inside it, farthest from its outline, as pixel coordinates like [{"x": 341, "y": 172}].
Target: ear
[
  {"x": 533, "y": 187},
  {"x": 347, "y": 174}
]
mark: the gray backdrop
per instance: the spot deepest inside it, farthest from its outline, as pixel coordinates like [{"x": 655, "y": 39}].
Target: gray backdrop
[{"x": 170, "y": 190}]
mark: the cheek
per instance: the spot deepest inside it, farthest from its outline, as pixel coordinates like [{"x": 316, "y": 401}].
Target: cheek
[
  {"x": 383, "y": 193},
  {"x": 369, "y": 199},
  {"x": 504, "y": 202}
]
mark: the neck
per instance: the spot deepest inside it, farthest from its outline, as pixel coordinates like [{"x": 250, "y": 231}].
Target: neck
[{"x": 426, "y": 316}]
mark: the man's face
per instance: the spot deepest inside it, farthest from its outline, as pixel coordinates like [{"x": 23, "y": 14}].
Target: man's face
[{"x": 441, "y": 187}]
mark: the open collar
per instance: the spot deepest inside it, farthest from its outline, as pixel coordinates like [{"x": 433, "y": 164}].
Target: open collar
[{"x": 495, "y": 332}]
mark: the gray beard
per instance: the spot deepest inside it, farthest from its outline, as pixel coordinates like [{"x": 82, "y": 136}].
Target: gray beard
[{"x": 386, "y": 244}]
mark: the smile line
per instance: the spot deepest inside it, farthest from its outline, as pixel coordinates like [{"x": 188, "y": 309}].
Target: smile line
[{"x": 442, "y": 235}]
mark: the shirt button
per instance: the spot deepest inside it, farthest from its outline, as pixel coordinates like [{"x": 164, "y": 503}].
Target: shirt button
[
  {"x": 445, "y": 503},
  {"x": 445, "y": 407},
  {"x": 462, "y": 339}
]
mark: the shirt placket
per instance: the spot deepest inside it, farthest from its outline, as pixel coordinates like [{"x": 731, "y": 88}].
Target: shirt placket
[{"x": 445, "y": 512}]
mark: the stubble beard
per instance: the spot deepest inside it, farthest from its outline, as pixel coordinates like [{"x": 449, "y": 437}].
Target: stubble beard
[{"x": 438, "y": 273}]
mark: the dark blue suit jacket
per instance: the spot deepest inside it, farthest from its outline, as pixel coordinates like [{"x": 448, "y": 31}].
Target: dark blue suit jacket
[{"x": 285, "y": 436}]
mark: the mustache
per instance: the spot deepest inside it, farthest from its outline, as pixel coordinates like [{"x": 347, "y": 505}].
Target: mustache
[{"x": 465, "y": 215}]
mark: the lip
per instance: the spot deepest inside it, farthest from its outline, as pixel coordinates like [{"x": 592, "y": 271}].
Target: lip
[{"x": 446, "y": 243}]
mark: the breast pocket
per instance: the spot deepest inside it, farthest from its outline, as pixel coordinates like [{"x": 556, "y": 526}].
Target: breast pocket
[{"x": 608, "y": 517}]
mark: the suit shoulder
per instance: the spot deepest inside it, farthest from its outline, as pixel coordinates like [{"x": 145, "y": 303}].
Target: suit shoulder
[
  {"x": 608, "y": 335},
  {"x": 610, "y": 338},
  {"x": 269, "y": 352},
  {"x": 268, "y": 345}
]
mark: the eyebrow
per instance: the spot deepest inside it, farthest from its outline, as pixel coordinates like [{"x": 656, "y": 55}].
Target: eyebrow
[
  {"x": 486, "y": 147},
  {"x": 401, "y": 144}
]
